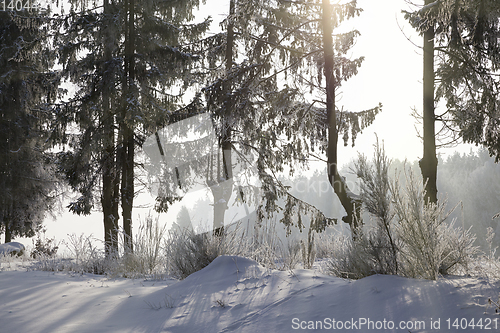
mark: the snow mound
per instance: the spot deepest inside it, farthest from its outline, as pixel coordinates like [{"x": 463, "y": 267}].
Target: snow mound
[
  {"x": 234, "y": 294},
  {"x": 224, "y": 270},
  {"x": 12, "y": 248},
  {"x": 224, "y": 266}
]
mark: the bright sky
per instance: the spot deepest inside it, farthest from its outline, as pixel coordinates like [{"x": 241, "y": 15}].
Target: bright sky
[{"x": 391, "y": 74}]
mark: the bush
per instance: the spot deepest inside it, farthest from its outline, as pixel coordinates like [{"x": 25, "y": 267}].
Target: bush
[
  {"x": 410, "y": 237},
  {"x": 308, "y": 248},
  {"x": 44, "y": 247},
  {"x": 430, "y": 245},
  {"x": 189, "y": 252},
  {"x": 148, "y": 255},
  {"x": 350, "y": 258},
  {"x": 380, "y": 241},
  {"x": 271, "y": 251},
  {"x": 488, "y": 264},
  {"x": 87, "y": 257}
]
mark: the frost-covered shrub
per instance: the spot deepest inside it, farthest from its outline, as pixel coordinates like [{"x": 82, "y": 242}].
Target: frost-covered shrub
[
  {"x": 84, "y": 257},
  {"x": 349, "y": 258},
  {"x": 410, "y": 237},
  {"x": 87, "y": 257},
  {"x": 189, "y": 252},
  {"x": 488, "y": 264},
  {"x": 148, "y": 255},
  {"x": 325, "y": 245},
  {"x": 308, "y": 250},
  {"x": 429, "y": 244},
  {"x": 268, "y": 249},
  {"x": 379, "y": 241},
  {"x": 375, "y": 249},
  {"x": 44, "y": 247}
]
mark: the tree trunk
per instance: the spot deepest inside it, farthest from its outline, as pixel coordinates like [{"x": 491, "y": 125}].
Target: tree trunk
[
  {"x": 108, "y": 200},
  {"x": 428, "y": 163},
  {"x": 223, "y": 193},
  {"x": 128, "y": 145},
  {"x": 8, "y": 233},
  {"x": 127, "y": 188},
  {"x": 349, "y": 200}
]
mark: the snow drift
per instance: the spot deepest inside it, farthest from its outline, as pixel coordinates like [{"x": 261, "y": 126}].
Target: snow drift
[{"x": 235, "y": 294}]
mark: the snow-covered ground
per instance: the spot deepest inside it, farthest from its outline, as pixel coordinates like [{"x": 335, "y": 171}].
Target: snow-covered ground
[{"x": 235, "y": 294}]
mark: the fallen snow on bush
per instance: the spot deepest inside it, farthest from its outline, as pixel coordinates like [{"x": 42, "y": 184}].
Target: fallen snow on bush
[{"x": 235, "y": 294}]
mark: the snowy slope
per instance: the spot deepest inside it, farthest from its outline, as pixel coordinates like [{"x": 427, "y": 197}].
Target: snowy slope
[{"x": 235, "y": 294}]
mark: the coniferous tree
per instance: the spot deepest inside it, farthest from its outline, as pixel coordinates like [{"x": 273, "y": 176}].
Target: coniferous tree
[
  {"x": 88, "y": 45},
  {"x": 239, "y": 102},
  {"x": 110, "y": 167},
  {"x": 271, "y": 115},
  {"x": 227, "y": 102},
  {"x": 124, "y": 57},
  {"x": 469, "y": 48},
  {"x": 324, "y": 54},
  {"x": 27, "y": 175},
  {"x": 255, "y": 95},
  {"x": 240, "y": 97},
  {"x": 222, "y": 184},
  {"x": 464, "y": 34}
]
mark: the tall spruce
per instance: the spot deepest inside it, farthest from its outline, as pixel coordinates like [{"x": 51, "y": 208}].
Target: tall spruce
[
  {"x": 272, "y": 114},
  {"x": 88, "y": 45},
  {"x": 242, "y": 103},
  {"x": 222, "y": 186},
  {"x": 469, "y": 48},
  {"x": 125, "y": 58},
  {"x": 464, "y": 35},
  {"x": 27, "y": 175},
  {"x": 130, "y": 109},
  {"x": 110, "y": 167},
  {"x": 315, "y": 45},
  {"x": 330, "y": 19}
]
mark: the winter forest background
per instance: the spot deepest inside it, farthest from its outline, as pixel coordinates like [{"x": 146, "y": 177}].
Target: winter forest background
[{"x": 87, "y": 86}]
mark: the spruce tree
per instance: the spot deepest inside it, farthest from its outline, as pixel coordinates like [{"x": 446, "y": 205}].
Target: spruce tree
[
  {"x": 464, "y": 36},
  {"x": 270, "y": 114},
  {"x": 27, "y": 175},
  {"x": 125, "y": 57},
  {"x": 261, "y": 97}
]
